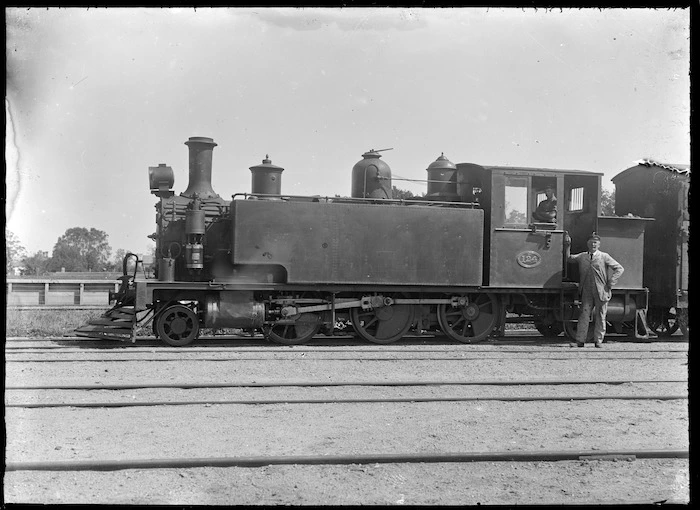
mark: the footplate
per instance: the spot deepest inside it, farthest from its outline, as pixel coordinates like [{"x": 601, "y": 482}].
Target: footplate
[{"x": 117, "y": 323}]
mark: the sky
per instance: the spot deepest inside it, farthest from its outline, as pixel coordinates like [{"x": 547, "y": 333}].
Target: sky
[{"x": 96, "y": 96}]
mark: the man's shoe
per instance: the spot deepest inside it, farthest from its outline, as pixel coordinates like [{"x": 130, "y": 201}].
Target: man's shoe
[
  {"x": 599, "y": 345},
  {"x": 576, "y": 344}
]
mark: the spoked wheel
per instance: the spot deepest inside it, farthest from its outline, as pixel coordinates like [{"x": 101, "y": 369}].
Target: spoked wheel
[
  {"x": 303, "y": 329},
  {"x": 471, "y": 322},
  {"x": 383, "y": 325},
  {"x": 177, "y": 325},
  {"x": 666, "y": 323},
  {"x": 570, "y": 328},
  {"x": 549, "y": 330}
]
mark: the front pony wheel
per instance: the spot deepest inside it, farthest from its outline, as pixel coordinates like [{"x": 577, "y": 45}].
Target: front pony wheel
[{"x": 177, "y": 325}]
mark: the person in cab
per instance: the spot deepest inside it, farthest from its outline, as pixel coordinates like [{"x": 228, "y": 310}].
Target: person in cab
[{"x": 546, "y": 211}]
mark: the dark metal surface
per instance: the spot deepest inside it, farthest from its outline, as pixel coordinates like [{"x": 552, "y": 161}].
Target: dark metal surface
[
  {"x": 652, "y": 191},
  {"x": 233, "y": 309},
  {"x": 161, "y": 180},
  {"x": 266, "y": 178},
  {"x": 371, "y": 177},
  {"x": 335, "y": 243},
  {"x": 442, "y": 179},
  {"x": 623, "y": 239},
  {"x": 200, "y": 157},
  {"x": 522, "y": 259}
]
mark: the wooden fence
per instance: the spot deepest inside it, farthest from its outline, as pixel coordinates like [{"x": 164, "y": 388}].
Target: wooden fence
[{"x": 59, "y": 292}]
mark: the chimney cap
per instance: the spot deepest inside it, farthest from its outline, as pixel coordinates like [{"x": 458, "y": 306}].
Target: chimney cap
[{"x": 201, "y": 139}]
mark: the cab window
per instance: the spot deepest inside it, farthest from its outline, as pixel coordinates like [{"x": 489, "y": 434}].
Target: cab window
[
  {"x": 515, "y": 208},
  {"x": 576, "y": 199}
]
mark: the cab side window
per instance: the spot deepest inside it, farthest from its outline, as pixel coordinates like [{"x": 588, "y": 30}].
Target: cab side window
[
  {"x": 576, "y": 200},
  {"x": 515, "y": 205}
]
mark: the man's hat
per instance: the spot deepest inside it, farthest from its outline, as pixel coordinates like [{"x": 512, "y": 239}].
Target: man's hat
[{"x": 594, "y": 236}]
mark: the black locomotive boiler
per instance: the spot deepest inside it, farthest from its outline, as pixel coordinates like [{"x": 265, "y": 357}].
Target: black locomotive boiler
[{"x": 455, "y": 260}]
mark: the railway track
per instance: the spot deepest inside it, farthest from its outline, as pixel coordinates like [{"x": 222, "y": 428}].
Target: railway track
[
  {"x": 158, "y": 411},
  {"x": 319, "y": 460}
]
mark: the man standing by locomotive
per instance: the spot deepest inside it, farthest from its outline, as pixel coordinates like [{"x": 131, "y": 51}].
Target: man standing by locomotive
[{"x": 595, "y": 288}]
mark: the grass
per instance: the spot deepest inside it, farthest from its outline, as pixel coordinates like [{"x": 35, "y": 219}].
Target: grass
[{"x": 46, "y": 323}]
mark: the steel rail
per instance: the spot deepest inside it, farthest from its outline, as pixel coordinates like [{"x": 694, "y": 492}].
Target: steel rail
[
  {"x": 254, "y": 384},
  {"x": 311, "y": 358},
  {"x": 376, "y": 458},
  {"x": 530, "y": 337},
  {"x": 341, "y": 401},
  {"x": 307, "y": 349},
  {"x": 334, "y": 341}
]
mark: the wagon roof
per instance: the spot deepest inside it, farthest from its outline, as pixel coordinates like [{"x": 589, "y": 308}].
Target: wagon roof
[
  {"x": 683, "y": 170},
  {"x": 548, "y": 170}
]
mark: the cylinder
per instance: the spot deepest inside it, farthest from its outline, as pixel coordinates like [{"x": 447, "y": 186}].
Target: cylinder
[
  {"x": 201, "y": 149},
  {"x": 267, "y": 178},
  {"x": 621, "y": 309},
  {"x": 371, "y": 177},
  {"x": 442, "y": 179},
  {"x": 233, "y": 309},
  {"x": 166, "y": 270},
  {"x": 195, "y": 221}
]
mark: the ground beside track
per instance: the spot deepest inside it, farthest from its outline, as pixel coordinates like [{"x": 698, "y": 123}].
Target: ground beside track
[{"x": 305, "y": 429}]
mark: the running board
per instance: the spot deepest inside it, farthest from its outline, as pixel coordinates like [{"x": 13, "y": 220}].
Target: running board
[{"x": 115, "y": 324}]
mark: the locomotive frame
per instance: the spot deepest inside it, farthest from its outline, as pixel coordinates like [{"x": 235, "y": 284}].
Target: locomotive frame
[{"x": 294, "y": 266}]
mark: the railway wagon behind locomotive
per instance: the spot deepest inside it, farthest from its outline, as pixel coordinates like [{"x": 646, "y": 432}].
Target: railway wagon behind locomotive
[
  {"x": 293, "y": 266},
  {"x": 659, "y": 191}
]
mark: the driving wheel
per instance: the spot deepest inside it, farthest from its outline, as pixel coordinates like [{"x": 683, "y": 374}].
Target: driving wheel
[
  {"x": 301, "y": 330},
  {"x": 471, "y": 321},
  {"x": 570, "y": 328},
  {"x": 383, "y": 325}
]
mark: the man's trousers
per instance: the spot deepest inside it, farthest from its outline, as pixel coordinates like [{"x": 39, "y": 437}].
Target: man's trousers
[{"x": 591, "y": 305}]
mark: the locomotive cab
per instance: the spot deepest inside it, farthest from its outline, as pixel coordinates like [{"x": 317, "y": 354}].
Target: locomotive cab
[{"x": 526, "y": 248}]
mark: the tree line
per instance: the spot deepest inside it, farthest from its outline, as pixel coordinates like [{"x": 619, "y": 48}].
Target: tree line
[{"x": 79, "y": 249}]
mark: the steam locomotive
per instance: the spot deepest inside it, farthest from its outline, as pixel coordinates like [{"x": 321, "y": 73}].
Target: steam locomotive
[{"x": 455, "y": 260}]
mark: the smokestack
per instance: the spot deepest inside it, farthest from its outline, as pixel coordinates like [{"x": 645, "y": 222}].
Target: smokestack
[{"x": 201, "y": 149}]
